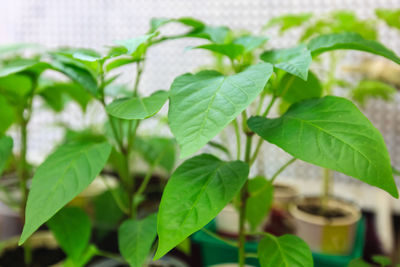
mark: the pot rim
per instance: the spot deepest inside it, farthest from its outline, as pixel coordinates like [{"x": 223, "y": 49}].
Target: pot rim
[
  {"x": 352, "y": 210},
  {"x": 290, "y": 191}
]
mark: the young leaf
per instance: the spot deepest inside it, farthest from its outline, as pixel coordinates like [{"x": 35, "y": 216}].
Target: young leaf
[
  {"x": 157, "y": 151},
  {"x": 250, "y": 42},
  {"x": 285, "y": 251},
  {"x": 381, "y": 260},
  {"x": 293, "y": 89},
  {"x": 135, "y": 238},
  {"x": 389, "y": 16},
  {"x": 201, "y": 105},
  {"x": 261, "y": 193},
  {"x": 332, "y": 133},
  {"x": 24, "y": 65},
  {"x": 16, "y": 87},
  {"x": 294, "y": 60},
  {"x": 216, "y": 34},
  {"x": 122, "y": 61},
  {"x": 372, "y": 89},
  {"x": 71, "y": 228},
  {"x": 136, "y": 108},
  {"x": 61, "y": 177},
  {"x": 196, "y": 192},
  {"x": 330, "y": 42},
  {"x": 230, "y": 50},
  {"x": 359, "y": 263},
  {"x": 286, "y": 22},
  {"x": 6, "y": 145},
  {"x": 132, "y": 45}
]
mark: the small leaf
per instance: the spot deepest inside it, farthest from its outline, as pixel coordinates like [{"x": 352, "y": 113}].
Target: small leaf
[
  {"x": 332, "y": 133},
  {"x": 201, "y": 105},
  {"x": 132, "y": 45},
  {"x": 359, "y": 263},
  {"x": 330, "y": 42},
  {"x": 250, "y": 42},
  {"x": 71, "y": 228},
  {"x": 390, "y": 16},
  {"x": 16, "y": 87},
  {"x": 294, "y": 60},
  {"x": 24, "y": 65},
  {"x": 61, "y": 177},
  {"x": 285, "y": 251},
  {"x": 286, "y": 22},
  {"x": 157, "y": 151},
  {"x": 261, "y": 192},
  {"x": 136, "y": 108},
  {"x": 230, "y": 50},
  {"x": 293, "y": 89},
  {"x": 196, "y": 192},
  {"x": 216, "y": 34},
  {"x": 7, "y": 115},
  {"x": 135, "y": 238},
  {"x": 6, "y": 145},
  {"x": 381, "y": 260},
  {"x": 122, "y": 61},
  {"x": 372, "y": 89}
]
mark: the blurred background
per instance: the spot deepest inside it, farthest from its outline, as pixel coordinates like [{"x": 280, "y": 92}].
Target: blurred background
[{"x": 96, "y": 23}]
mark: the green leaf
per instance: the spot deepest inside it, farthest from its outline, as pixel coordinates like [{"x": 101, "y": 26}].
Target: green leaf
[
  {"x": 330, "y": 42},
  {"x": 261, "y": 193},
  {"x": 201, "y": 105},
  {"x": 358, "y": 263},
  {"x": 285, "y": 251},
  {"x": 71, "y": 228},
  {"x": 293, "y": 89},
  {"x": 135, "y": 238},
  {"x": 87, "y": 55},
  {"x": 7, "y": 114},
  {"x": 16, "y": 48},
  {"x": 156, "y": 23},
  {"x": 132, "y": 45},
  {"x": 157, "y": 151},
  {"x": 382, "y": 260},
  {"x": 24, "y": 65},
  {"x": 77, "y": 72},
  {"x": 122, "y": 61},
  {"x": 294, "y": 60},
  {"x": 137, "y": 108},
  {"x": 250, "y": 42},
  {"x": 196, "y": 192},
  {"x": 332, "y": 133},
  {"x": 372, "y": 89},
  {"x": 6, "y": 145},
  {"x": 216, "y": 34},
  {"x": 16, "y": 87},
  {"x": 230, "y": 50},
  {"x": 390, "y": 16},
  {"x": 288, "y": 21},
  {"x": 61, "y": 177}
]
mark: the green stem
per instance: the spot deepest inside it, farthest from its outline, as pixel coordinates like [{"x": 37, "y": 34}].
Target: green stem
[
  {"x": 109, "y": 255},
  {"x": 242, "y": 208},
  {"x": 237, "y": 133},
  {"x": 228, "y": 242},
  {"x": 281, "y": 169},
  {"x": 117, "y": 199},
  {"x": 271, "y": 103}
]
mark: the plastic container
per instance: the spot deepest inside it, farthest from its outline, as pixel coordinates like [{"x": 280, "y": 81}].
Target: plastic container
[{"x": 214, "y": 251}]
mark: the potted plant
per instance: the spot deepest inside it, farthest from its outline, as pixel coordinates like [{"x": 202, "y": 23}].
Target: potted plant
[{"x": 325, "y": 131}]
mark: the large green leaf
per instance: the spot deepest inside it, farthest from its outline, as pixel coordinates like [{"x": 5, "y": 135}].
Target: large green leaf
[
  {"x": 6, "y": 145},
  {"x": 135, "y": 238},
  {"x": 201, "y": 105},
  {"x": 61, "y": 177},
  {"x": 284, "y": 251},
  {"x": 157, "y": 151},
  {"x": 330, "y": 42},
  {"x": 196, "y": 192},
  {"x": 71, "y": 228},
  {"x": 294, "y": 60},
  {"x": 135, "y": 108},
  {"x": 331, "y": 132},
  {"x": 261, "y": 193}
]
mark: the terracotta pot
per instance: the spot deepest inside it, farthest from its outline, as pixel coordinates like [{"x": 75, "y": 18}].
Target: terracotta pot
[{"x": 333, "y": 234}]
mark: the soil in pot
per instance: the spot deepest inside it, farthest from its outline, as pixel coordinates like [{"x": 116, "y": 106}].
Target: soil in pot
[{"x": 328, "y": 228}]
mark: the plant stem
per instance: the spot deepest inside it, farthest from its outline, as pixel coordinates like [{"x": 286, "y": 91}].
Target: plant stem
[
  {"x": 281, "y": 169},
  {"x": 237, "y": 133},
  {"x": 242, "y": 208},
  {"x": 139, "y": 71},
  {"x": 228, "y": 242},
  {"x": 271, "y": 103}
]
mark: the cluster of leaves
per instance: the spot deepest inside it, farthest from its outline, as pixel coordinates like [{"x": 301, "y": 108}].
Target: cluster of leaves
[{"x": 325, "y": 131}]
